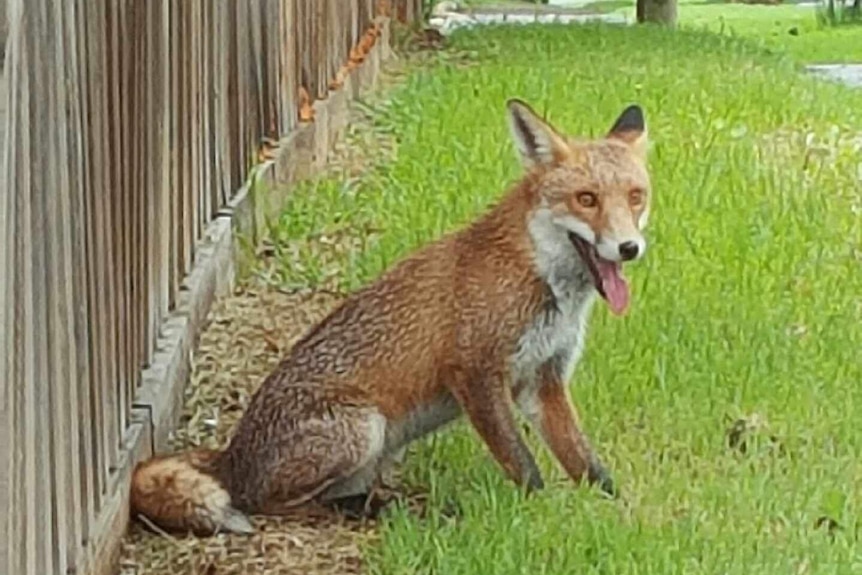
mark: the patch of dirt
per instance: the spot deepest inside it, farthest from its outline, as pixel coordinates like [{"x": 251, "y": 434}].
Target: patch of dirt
[{"x": 752, "y": 431}]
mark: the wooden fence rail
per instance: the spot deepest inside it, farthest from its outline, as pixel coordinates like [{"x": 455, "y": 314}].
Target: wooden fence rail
[{"x": 128, "y": 124}]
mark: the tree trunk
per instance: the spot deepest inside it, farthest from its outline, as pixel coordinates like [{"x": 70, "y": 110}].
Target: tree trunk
[{"x": 657, "y": 11}]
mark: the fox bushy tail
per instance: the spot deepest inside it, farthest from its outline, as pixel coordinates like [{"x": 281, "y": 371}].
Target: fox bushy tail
[{"x": 181, "y": 492}]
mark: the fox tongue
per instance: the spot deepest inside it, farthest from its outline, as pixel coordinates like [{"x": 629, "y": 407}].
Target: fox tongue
[{"x": 614, "y": 285}]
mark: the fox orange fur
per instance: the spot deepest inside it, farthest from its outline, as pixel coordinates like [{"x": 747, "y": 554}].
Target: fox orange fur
[{"x": 483, "y": 320}]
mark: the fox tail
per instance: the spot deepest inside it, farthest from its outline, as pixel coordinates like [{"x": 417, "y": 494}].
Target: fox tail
[{"x": 180, "y": 492}]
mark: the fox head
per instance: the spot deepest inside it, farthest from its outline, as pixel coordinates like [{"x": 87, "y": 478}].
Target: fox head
[{"x": 593, "y": 193}]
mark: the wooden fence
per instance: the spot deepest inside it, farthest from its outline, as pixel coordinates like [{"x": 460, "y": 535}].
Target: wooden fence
[{"x": 128, "y": 125}]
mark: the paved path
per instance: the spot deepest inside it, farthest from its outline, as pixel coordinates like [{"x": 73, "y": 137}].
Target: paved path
[
  {"x": 850, "y": 74},
  {"x": 447, "y": 22}
]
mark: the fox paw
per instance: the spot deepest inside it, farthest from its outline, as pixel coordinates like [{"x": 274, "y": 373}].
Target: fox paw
[
  {"x": 361, "y": 506},
  {"x": 600, "y": 476}
]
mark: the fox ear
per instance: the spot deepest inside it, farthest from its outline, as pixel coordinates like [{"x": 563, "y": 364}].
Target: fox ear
[
  {"x": 631, "y": 128},
  {"x": 535, "y": 140}
]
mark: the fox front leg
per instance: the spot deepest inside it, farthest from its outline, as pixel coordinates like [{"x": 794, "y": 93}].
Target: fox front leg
[
  {"x": 549, "y": 409},
  {"x": 486, "y": 402}
]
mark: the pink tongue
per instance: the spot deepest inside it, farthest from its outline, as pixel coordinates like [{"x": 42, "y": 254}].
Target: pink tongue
[{"x": 614, "y": 284}]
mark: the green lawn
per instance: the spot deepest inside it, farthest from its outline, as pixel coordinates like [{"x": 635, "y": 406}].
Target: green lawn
[
  {"x": 786, "y": 28},
  {"x": 748, "y": 305}
]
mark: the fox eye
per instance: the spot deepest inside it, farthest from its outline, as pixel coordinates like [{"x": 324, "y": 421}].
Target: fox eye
[
  {"x": 636, "y": 196},
  {"x": 587, "y": 199}
]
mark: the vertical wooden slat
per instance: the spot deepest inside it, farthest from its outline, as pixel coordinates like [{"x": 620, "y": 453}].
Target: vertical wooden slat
[
  {"x": 321, "y": 31},
  {"x": 221, "y": 110},
  {"x": 191, "y": 112},
  {"x": 16, "y": 183},
  {"x": 116, "y": 231},
  {"x": 99, "y": 288},
  {"x": 155, "y": 170},
  {"x": 140, "y": 87},
  {"x": 149, "y": 191},
  {"x": 133, "y": 129},
  {"x": 7, "y": 424},
  {"x": 206, "y": 100},
  {"x": 186, "y": 142},
  {"x": 40, "y": 529},
  {"x": 257, "y": 78},
  {"x": 163, "y": 196},
  {"x": 123, "y": 228},
  {"x": 19, "y": 134},
  {"x": 86, "y": 457},
  {"x": 181, "y": 150},
  {"x": 234, "y": 94},
  {"x": 270, "y": 55},
  {"x": 288, "y": 66},
  {"x": 175, "y": 188},
  {"x": 61, "y": 240},
  {"x": 242, "y": 95},
  {"x": 195, "y": 108}
]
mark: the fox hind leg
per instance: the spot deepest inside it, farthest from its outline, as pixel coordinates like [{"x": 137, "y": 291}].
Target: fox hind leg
[
  {"x": 322, "y": 454},
  {"x": 355, "y": 496}
]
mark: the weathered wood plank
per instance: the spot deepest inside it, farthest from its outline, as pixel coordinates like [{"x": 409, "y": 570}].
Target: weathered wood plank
[
  {"x": 60, "y": 244},
  {"x": 117, "y": 232},
  {"x": 183, "y": 110},
  {"x": 194, "y": 141},
  {"x": 81, "y": 428},
  {"x": 161, "y": 71},
  {"x": 31, "y": 301},
  {"x": 135, "y": 28},
  {"x": 16, "y": 85},
  {"x": 6, "y": 385},
  {"x": 289, "y": 66},
  {"x": 175, "y": 188},
  {"x": 93, "y": 330},
  {"x": 151, "y": 176}
]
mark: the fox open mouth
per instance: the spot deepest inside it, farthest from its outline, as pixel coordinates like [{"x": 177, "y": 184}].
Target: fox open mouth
[{"x": 607, "y": 275}]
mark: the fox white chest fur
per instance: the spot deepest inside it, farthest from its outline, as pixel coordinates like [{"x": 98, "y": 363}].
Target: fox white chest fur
[{"x": 558, "y": 334}]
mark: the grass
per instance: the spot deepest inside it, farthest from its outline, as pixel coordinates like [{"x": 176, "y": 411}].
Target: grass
[
  {"x": 747, "y": 306},
  {"x": 787, "y": 28}
]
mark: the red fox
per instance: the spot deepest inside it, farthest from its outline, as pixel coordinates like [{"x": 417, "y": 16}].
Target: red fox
[{"x": 486, "y": 318}]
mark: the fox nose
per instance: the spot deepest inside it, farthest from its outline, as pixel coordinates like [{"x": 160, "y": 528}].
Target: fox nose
[{"x": 629, "y": 250}]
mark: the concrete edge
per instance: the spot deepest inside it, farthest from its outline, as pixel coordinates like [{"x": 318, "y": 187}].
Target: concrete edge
[{"x": 158, "y": 402}]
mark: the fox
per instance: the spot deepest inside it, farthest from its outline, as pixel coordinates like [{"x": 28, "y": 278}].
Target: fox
[{"x": 485, "y": 322}]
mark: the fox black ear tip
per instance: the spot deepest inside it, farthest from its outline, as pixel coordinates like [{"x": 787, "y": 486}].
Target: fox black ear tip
[
  {"x": 634, "y": 110},
  {"x": 632, "y": 118}
]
